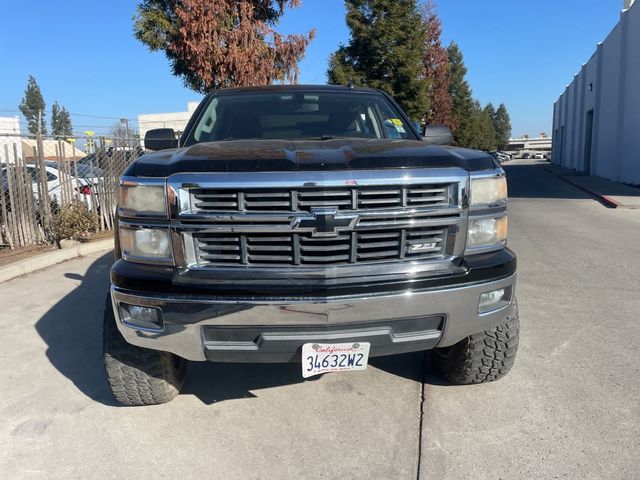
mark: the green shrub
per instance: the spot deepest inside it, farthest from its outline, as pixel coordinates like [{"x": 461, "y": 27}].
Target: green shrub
[{"x": 73, "y": 221}]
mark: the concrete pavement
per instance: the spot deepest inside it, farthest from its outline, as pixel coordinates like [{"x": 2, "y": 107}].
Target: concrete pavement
[
  {"x": 231, "y": 422},
  {"x": 569, "y": 408},
  {"x": 612, "y": 194}
]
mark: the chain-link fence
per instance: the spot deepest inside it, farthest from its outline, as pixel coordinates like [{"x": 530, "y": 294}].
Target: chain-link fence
[{"x": 43, "y": 175}]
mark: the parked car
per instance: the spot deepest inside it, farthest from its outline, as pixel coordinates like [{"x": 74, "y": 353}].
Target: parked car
[
  {"x": 85, "y": 183},
  {"x": 506, "y": 156},
  {"x": 500, "y": 157},
  {"x": 538, "y": 155},
  {"x": 129, "y": 152},
  {"x": 495, "y": 156},
  {"x": 292, "y": 225},
  {"x": 54, "y": 186}
]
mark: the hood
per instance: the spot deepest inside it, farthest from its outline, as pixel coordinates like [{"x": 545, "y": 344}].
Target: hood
[{"x": 282, "y": 155}]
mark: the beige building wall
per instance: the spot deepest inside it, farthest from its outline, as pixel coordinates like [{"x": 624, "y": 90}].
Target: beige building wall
[
  {"x": 53, "y": 150},
  {"x": 176, "y": 120}
]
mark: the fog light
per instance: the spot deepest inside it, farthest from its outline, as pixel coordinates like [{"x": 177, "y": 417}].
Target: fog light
[
  {"x": 494, "y": 300},
  {"x": 141, "y": 318}
]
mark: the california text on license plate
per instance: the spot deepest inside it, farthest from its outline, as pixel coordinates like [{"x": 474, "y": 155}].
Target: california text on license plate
[{"x": 320, "y": 358}]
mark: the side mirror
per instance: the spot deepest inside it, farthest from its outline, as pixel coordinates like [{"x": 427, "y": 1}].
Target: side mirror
[
  {"x": 437, "y": 135},
  {"x": 160, "y": 139}
]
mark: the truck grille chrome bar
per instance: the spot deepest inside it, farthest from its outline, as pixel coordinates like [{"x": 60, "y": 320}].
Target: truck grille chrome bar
[
  {"x": 345, "y": 198},
  {"x": 317, "y": 219},
  {"x": 304, "y": 249}
]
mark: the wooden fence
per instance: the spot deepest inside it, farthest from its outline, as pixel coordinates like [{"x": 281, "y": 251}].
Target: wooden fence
[{"x": 40, "y": 176}]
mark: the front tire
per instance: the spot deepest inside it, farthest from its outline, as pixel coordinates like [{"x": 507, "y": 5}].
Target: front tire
[
  {"x": 139, "y": 376},
  {"x": 482, "y": 357}
]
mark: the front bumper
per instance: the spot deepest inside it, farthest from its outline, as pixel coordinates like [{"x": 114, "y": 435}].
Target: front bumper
[{"x": 251, "y": 329}]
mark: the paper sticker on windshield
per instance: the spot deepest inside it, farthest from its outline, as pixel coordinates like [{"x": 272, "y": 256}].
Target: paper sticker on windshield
[{"x": 397, "y": 123}]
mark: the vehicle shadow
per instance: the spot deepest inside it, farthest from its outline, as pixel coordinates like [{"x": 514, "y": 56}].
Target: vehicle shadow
[
  {"x": 72, "y": 330},
  {"x": 216, "y": 382},
  {"x": 532, "y": 181}
]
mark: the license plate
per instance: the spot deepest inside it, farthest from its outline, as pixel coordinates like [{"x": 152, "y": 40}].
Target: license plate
[{"x": 320, "y": 358}]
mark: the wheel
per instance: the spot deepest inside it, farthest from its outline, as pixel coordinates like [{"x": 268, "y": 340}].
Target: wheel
[
  {"x": 481, "y": 357},
  {"x": 139, "y": 376}
]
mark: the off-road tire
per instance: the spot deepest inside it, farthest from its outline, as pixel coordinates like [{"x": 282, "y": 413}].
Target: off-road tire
[
  {"x": 139, "y": 376},
  {"x": 482, "y": 357}
]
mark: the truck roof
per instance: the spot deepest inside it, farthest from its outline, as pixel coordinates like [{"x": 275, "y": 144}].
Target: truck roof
[{"x": 294, "y": 88}]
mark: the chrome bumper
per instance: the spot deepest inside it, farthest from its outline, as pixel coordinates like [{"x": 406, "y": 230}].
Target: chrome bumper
[{"x": 282, "y": 325}]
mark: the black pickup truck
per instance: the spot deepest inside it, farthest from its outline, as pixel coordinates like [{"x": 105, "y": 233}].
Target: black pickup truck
[{"x": 310, "y": 224}]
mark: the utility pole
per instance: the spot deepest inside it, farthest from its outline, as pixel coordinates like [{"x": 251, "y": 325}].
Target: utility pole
[{"x": 125, "y": 121}]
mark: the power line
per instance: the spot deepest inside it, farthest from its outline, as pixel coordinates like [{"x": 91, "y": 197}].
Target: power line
[
  {"x": 105, "y": 118},
  {"x": 80, "y": 115},
  {"x": 155, "y": 121}
]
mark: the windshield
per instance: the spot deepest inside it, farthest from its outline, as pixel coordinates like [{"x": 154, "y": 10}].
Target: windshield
[{"x": 299, "y": 116}]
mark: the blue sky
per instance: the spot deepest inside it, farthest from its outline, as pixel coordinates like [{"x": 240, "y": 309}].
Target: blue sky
[{"x": 84, "y": 56}]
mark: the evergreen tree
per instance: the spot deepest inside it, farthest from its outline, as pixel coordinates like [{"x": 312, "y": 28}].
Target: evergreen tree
[
  {"x": 386, "y": 50},
  {"x": 502, "y": 126},
  {"x": 32, "y": 105},
  {"x": 473, "y": 125},
  {"x": 60, "y": 122},
  {"x": 491, "y": 111},
  {"x": 437, "y": 70},
  {"x": 55, "y": 112},
  {"x": 479, "y": 134},
  {"x": 485, "y": 132},
  {"x": 462, "y": 105}
]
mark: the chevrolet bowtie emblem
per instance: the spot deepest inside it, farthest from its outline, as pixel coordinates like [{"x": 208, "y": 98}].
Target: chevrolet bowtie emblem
[{"x": 324, "y": 222}]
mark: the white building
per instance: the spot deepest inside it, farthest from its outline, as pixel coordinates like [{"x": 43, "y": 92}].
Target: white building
[
  {"x": 9, "y": 138},
  {"x": 596, "y": 121},
  {"x": 529, "y": 145},
  {"x": 176, "y": 120}
]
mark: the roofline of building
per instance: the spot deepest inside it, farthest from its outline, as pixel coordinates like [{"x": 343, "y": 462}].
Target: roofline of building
[{"x": 622, "y": 12}]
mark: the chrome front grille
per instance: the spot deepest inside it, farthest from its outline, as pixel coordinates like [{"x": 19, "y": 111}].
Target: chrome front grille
[
  {"x": 272, "y": 249},
  {"x": 304, "y": 199},
  {"x": 232, "y": 220}
]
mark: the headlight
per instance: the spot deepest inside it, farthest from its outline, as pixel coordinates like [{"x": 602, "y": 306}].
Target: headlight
[
  {"x": 145, "y": 244},
  {"x": 487, "y": 233},
  {"x": 488, "y": 191},
  {"x": 143, "y": 199}
]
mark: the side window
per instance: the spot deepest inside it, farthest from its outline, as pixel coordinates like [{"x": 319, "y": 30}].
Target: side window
[
  {"x": 51, "y": 177},
  {"x": 392, "y": 125},
  {"x": 207, "y": 122}
]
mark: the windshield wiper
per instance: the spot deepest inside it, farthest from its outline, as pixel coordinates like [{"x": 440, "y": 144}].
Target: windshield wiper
[{"x": 327, "y": 137}]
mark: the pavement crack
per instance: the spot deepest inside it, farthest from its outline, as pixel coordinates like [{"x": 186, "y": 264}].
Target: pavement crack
[{"x": 421, "y": 415}]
